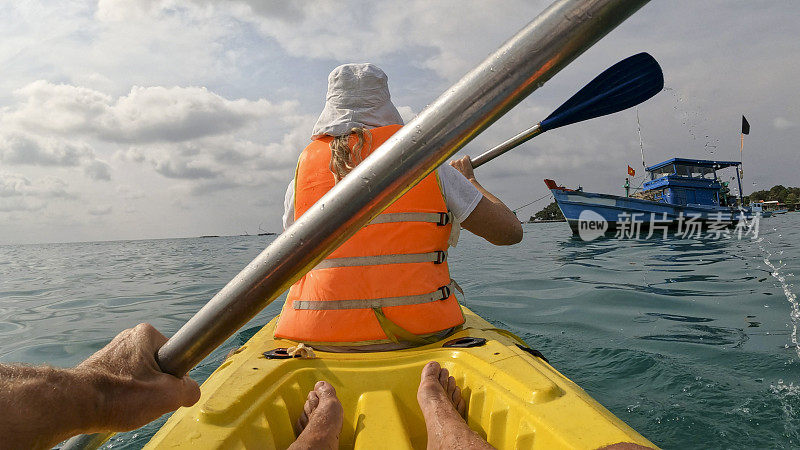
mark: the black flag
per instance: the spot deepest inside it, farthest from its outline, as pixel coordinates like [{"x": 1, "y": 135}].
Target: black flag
[{"x": 745, "y": 126}]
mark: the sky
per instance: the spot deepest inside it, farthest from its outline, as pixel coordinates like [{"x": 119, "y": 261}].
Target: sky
[{"x": 140, "y": 119}]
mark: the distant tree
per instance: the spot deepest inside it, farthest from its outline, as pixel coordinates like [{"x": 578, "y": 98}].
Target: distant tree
[
  {"x": 549, "y": 212},
  {"x": 759, "y": 195},
  {"x": 777, "y": 192}
]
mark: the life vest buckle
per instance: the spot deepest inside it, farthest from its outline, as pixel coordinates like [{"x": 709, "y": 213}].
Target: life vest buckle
[
  {"x": 444, "y": 219},
  {"x": 441, "y": 256},
  {"x": 445, "y": 290}
]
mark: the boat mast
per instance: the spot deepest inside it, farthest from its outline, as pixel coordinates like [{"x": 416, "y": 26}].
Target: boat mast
[
  {"x": 739, "y": 182},
  {"x": 641, "y": 143}
]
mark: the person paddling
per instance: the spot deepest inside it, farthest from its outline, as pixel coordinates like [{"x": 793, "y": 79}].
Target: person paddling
[{"x": 388, "y": 286}]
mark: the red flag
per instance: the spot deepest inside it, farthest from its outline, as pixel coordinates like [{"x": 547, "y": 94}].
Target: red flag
[{"x": 631, "y": 172}]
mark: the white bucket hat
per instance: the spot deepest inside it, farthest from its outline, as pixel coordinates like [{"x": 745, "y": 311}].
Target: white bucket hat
[{"x": 358, "y": 96}]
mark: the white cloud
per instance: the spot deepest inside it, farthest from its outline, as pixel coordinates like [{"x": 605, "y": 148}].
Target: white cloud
[
  {"x": 782, "y": 123},
  {"x": 223, "y": 162},
  {"x": 100, "y": 210},
  {"x": 184, "y": 134},
  {"x": 428, "y": 33},
  {"x": 121, "y": 10},
  {"x": 129, "y": 193},
  {"x": 18, "y": 185},
  {"x": 407, "y": 113},
  {"x": 20, "y": 148},
  {"x": 13, "y": 184},
  {"x": 146, "y": 114},
  {"x": 98, "y": 170},
  {"x": 19, "y": 193}
]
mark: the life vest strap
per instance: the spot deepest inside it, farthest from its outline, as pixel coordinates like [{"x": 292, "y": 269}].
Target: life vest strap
[
  {"x": 440, "y": 219},
  {"x": 436, "y": 257},
  {"x": 443, "y": 293}
]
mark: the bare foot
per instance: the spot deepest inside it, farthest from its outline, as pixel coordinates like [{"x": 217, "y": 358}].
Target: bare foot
[
  {"x": 443, "y": 409},
  {"x": 321, "y": 421}
]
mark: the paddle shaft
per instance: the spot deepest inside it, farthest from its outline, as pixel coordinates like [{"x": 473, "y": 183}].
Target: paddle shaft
[
  {"x": 551, "y": 41},
  {"x": 508, "y": 145}
]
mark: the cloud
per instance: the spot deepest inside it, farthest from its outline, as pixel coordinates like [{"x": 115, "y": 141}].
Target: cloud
[
  {"x": 98, "y": 170},
  {"x": 53, "y": 187},
  {"x": 19, "y": 193},
  {"x": 184, "y": 169},
  {"x": 229, "y": 160},
  {"x": 146, "y": 114},
  {"x": 18, "y": 185},
  {"x": 407, "y": 113},
  {"x": 103, "y": 210},
  {"x": 129, "y": 193},
  {"x": 209, "y": 187},
  {"x": 422, "y": 31},
  {"x": 26, "y": 149},
  {"x": 20, "y": 204},
  {"x": 202, "y": 114},
  {"x": 121, "y": 10},
  {"x": 782, "y": 123},
  {"x": 189, "y": 134},
  {"x": 18, "y": 148},
  {"x": 13, "y": 185}
]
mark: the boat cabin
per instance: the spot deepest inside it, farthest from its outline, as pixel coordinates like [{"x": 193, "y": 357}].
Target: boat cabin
[
  {"x": 681, "y": 181},
  {"x": 773, "y": 206}
]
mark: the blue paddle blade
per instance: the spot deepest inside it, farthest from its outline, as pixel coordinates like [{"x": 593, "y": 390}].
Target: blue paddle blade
[{"x": 625, "y": 84}]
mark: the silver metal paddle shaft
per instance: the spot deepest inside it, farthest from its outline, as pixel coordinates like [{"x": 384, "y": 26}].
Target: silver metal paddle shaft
[
  {"x": 514, "y": 142},
  {"x": 551, "y": 41}
]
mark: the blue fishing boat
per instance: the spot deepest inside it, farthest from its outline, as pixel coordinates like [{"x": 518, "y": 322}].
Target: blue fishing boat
[{"x": 679, "y": 192}]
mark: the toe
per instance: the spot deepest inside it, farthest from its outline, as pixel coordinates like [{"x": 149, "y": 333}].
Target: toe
[
  {"x": 311, "y": 404},
  {"x": 443, "y": 375},
  {"x": 456, "y": 396},
  {"x": 451, "y": 386},
  {"x": 324, "y": 389},
  {"x": 431, "y": 370},
  {"x": 461, "y": 407}
]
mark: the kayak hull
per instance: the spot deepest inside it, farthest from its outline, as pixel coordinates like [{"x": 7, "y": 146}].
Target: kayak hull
[{"x": 514, "y": 398}]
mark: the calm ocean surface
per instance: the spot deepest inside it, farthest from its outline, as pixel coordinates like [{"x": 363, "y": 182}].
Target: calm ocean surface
[{"x": 690, "y": 341}]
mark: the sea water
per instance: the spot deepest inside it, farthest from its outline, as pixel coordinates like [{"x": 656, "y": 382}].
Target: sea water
[{"x": 693, "y": 342}]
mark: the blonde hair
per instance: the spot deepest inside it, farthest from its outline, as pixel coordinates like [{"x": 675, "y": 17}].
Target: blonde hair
[{"x": 343, "y": 158}]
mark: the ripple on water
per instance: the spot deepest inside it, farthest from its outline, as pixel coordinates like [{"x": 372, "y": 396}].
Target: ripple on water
[{"x": 688, "y": 341}]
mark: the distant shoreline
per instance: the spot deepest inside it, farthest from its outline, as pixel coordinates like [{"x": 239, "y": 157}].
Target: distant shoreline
[
  {"x": 238, "y": 235},
  {"x": 207, "y": 236}
]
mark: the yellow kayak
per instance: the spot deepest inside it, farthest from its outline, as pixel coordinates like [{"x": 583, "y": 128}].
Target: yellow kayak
[{"x": 515, "y": 399}]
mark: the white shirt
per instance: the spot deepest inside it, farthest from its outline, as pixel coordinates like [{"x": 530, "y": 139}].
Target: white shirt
[{"x": 460, "y": 196}]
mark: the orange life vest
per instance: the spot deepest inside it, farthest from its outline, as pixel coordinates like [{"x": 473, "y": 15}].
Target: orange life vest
[{"x": 390, "y": 281}]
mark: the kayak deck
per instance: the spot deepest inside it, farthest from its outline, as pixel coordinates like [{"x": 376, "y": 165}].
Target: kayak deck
[{"x": 514, "y": 399}]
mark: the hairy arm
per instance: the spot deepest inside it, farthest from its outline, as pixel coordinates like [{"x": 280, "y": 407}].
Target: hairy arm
[
  {"x": 491, "y": 219},
  {"x": 119, "y": 388}
]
